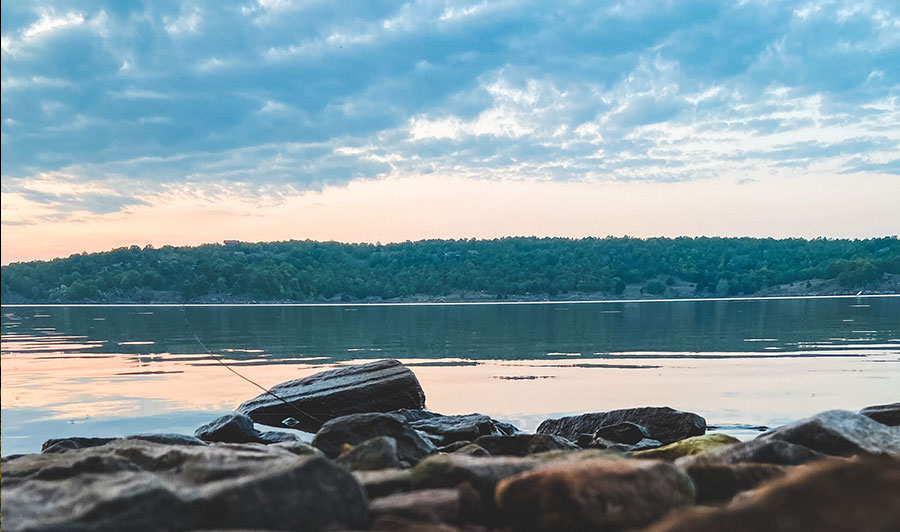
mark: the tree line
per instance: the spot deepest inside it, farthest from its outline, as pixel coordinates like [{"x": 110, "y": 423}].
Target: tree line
[{"x": 500, "y": 268}]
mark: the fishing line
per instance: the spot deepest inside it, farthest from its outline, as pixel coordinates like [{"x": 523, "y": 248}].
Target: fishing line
[{"x": 218, "y": 359}]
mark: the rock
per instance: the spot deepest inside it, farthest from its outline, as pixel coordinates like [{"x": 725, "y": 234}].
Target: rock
[
  {"x": 468, "y": 427},
  {"x": 392, "y": 523},
  {"x": 434, "y": 505},
  {"x": 595, "y": 494},
  {"x": 230, "y": 428},
  {"x": 278, "y": 436},
  {"x": 840, "y": 433},
  {"x": 720, "y": 482},
  {"x": 483, "y": 473},
  {"x": 624, "y": 432},
  {"x": 523, "y": 444},
  {"x": 379, "y": 386},
  {"x": 357, "y": 428},
  {"x": 834, "y": 495},
  {"x": 167, "y": 439},
  {"x": 884, "y": 414},
  {"x": 645, "y": 444},
  {"x": 453, "y": 447},
  {"x": 408, "y": 415},
  {"x": 297, "y": 447},
  {"x": 688, "y": 446},
  {"x": 139, "y": 485},
  {"x": 473, "y": 449},
  {"x": 375, "y": 453},
  {"x": 662, "y": 423},
  {"x": 61, "y": 445},
  {"x": 384, "y": 482},
  {"x": 762, "y": 451}
]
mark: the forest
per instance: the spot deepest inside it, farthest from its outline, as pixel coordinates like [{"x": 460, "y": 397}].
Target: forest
[{"x": 506, "y": 268}]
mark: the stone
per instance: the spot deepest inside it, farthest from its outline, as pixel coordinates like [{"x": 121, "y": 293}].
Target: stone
[
  {"x": 589, "y": 495},
  {"x": 762, "y": 451},
  {"x": 230, "y": 428},
  {"x": 716, "y": 483},
  {"x": 357, "y": 428},
  {"x": 523, "y": 444},
  {"x": 662, "y": 423},
  {"x": 140, "y": 485},
  {"x": 884, "y": 414},
  {"x": 473, "y": 449},
  {"x": 298, "y": 448},
  {"x": 61, "y": 445},
  {"x": 453, "y": 447},
  {"x": 688, "y": 446},
  {"x": 468, "y": 427},
  {"x": 278, "y": 436},
  {"x": 483, "y": 473},
  {"x": 833, "y": 495},
  {"x": 393, "y": 523},
  {"x": 375, "y": 453},
  {"x": 379, "y": 386},
  {"x": 167, "y": 439},
  {"x": 624, "y": 432},
  {"x": 380, "y": 483},
  {"x": 840, "y": 433},
  {"x": 432, "y": 505}
]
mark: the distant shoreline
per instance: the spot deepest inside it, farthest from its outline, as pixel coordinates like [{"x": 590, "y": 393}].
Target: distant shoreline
[{"x": 509, "y": 301}]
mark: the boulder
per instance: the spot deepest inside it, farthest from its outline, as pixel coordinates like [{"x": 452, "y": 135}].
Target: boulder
[
  {"x": 884, "y": 414},
  {"x": 624, "y": 432},
  {"x": 467, "y": 427},
  {"x": 473, "y": 449},
  {"x": 834, "y": 495},
  {"x": 483, "y": 473},
  {"x": 379, "y": 386},
  {"x": 590, "y": 495},
  {"x": 688, "y": 446},
  {"x": 523, "y": 444},
  {"x": 379, "y": 483},
  {"x": 230, "y": 428},
  {"x": 716, "y": 483},
  {"x": 140, "y": 485},
  {"x": 761, "y": 451},
  {"x": 662, "y": 423},
  {"x": 840, "y": 433},
  {"x": 433, "y": 505},
  {"x": 354, "y": 429},
  {"x": 375, "y": 453},
  {"x": 61, "y": 445}
]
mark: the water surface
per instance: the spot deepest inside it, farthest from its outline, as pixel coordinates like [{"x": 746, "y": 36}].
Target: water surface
[{"x": 117, "y": 370}]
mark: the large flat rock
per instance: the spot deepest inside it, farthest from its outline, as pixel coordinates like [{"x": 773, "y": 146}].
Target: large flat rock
[
  {"x": 379, "y": 386},
  {"x": 140, "y": 485},
  {"x": 840, "y": 433},
  {"x": 662, "y": 423}
]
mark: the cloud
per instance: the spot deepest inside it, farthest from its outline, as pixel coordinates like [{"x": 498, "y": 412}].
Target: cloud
[{"x": 280, "y": 95}]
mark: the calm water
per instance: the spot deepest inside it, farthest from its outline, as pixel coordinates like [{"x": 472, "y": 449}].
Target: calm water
[{"x": 117, "y": 370}]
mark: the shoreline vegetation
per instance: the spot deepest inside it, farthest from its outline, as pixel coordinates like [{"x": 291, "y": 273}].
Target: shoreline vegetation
[{"x": 520, "y": 269}]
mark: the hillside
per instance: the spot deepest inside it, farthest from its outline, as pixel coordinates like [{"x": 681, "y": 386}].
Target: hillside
[{"x": 508, "y": 268}]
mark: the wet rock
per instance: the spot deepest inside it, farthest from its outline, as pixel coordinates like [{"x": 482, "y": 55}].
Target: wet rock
[
  {"x": 523, "y": 444},
  {"x": 840, "y": 433},
  {"x": 645, "y": 444},
  {"x": 357, "y": 428},
  {"x": 688, "y": 446},
  {"x": 380, "y": 386},
  {"x": 624, "y": 432},
  {"x": 468, "y": 427},
  {"x": 720, "y": 482},
  {"x": 834, "y": 495},
  {"x": 762, "y": 451},
  {"x": 139, "y": 485},
  {"x": 384, "y": 482},
  {"x": 483, "y": 473},
  {"x": 433, "y": 505},
  {"x": 230, "y": 428},
  {"x": 662, "y": 423},
  {"x": 595, "y": 494},
  {"x": 884, "y": 414},
  {"x": 408, "y": 415},
  {"x": 375, "y": 453}
]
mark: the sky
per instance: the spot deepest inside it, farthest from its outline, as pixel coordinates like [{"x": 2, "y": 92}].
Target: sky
[{"x": 189, "y": 122}]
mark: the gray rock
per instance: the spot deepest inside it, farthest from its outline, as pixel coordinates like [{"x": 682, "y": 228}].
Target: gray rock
[
  {"x": 379, "y": 386},
  {"x": 167, "y": 439},
  {"x": 840, "y": 433},
  {"x": 625, "y": 432},
  {"x": 375, "y": 453},
  {"x": 466, "y": 427},
  {"x": 230, "y": 428},
  {"x": 297, "y": 447},
  {"x": 884, "y": 414},
  {"x": 139, "y": 485},
  {"x": 761, "y": 451},
  {"x": 473, "y": 449},
  {"x": 662, "y": 423},
  {"x": 357, "y": 428},
  {"x": 434, "y": 505},
  {"x": 453, "y": 447},
  {"x": 61, "y": 445},
  {"x": 523, "y": 444},
  {"x": 721, "y": 482},
  {"x": 384, "y": 482},
  {"x": 483, "y": 473},
  {"x": 598, "y": 494},
  {"x": 277, "y": 436}
]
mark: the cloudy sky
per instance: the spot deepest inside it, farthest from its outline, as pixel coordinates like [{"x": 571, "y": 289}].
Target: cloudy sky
[{"x": 188, "y": 122}]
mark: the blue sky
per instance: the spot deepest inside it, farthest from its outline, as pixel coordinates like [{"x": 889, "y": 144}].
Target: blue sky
[{"x": 112, "y": 107}]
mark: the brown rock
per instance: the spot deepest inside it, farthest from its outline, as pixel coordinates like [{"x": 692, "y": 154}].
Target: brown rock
[
  {"x": 596, "y": 495},
  {"x": 837, "y": 495},
  {"x": 433, "y": 506},
  {"x": 720, "y": 482}
]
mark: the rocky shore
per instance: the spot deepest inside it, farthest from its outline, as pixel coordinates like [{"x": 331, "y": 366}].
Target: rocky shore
[{"x": 380, "y": 461}]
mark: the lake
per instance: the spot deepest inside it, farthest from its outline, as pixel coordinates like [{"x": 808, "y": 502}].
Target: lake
[{"x": 116, "y": 370}]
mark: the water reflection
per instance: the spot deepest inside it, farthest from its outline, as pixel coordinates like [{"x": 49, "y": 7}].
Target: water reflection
[{"x": 118, "y": 370}]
